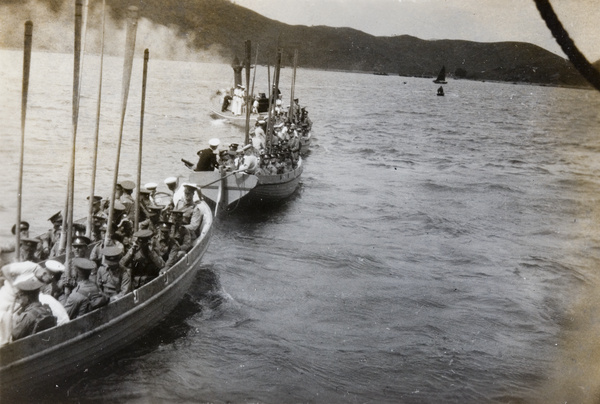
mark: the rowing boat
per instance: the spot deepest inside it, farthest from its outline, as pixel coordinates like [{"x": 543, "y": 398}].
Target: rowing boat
[
  {"x": 247, "y": 188},
  {"x": 49, "y": 357}
]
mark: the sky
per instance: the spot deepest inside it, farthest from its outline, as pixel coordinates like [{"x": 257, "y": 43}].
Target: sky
[{"x": 474, "y": 20}]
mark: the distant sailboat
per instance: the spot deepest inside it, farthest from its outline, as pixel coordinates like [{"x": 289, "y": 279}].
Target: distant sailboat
[
  {"x": 440, "y": 91},
  {"x": 441, "y": 78}
]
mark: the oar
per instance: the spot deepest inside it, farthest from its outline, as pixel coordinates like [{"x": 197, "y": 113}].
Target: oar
[
  {"x": 292, "y": 108},
  {"x": 269, "y": 123},
  {"x": 68, "y": 217},
  {"x": 24, "y": 91},
  {"x": 97, "y": 129},
  {"x": 221, "y": 178},
  {"x": 139, "y": 168},
  {"x": 127, "y": 65},
  {"x": 247, "y": 63},
  {"x": 254, "y": 74}
]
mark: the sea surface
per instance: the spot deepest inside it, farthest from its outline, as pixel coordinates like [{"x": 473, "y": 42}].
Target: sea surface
[{"x": 438, "y": 250}]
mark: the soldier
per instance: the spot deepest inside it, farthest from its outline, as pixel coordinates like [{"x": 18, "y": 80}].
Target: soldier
[
  {"x": 123, "y": 226},
  {"x": 207, "y": 159},
  {"x": 86, "y": 296},
  {"x": 144, "y": 261},
  {"x": 96, "y": 253},
  {"x": 97, "y": 222},
  {"x": 24, "y": 233},
  {"x": 31, "y": 316},
  {"x": 179, "y": 232},
  {"x": 151, "y": 186},
  {"x": 29, "y": 249},
  {"x": 192, "y": 217},
  {"x": 68, "y": 280},
  {"x": 52, "y": 236},
  {"x": 127, "y": 198},
  {"x": 167, "y": 247},
  {"x": 96, "y": 205},
  {"x": 249, "y": 163},
  {"x": 305, "y": 120},
  {"x": 114, "y": 279}
]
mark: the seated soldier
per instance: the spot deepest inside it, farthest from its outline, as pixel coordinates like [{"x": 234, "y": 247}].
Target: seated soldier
[
  {"x": 86, "y": 296},
  {"x": 9, "y": 273},
  {"x": 97, "y": 222},
  {"x": 144, "y": 261},
  {"x": 114, "y": 279},
  {"x": 29, "y": 249},
  {"x": 31, "y": 316},
  {"x": 52, "y": 236},
  {"x": 96, "y": 254},
  {"x": 192, "y": 217},
  {"x": 249, "y": 162},
  {"x": 180, "y": 233},
  {"x": 68, "y": 279},
  {"x": 152, "y": 219},
  {"x": 166, "y": 246}
]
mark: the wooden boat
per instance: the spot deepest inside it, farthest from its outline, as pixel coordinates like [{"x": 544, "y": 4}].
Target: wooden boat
[
  {"x": 276, "y": 187},
  {"x": 47, "y": 358},
  {"x": 238, "y": 120},
  {"x": 248, "y": 188},
  {"x": 441, "y": 77}
]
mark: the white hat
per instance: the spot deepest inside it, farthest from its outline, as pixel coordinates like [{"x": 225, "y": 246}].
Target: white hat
[
  {"x": 13, "y": 270},
  {"x": 189, "y": 185},
  {"x": 247, "y": 147},
  {"x": 151, "y": 186},
  {"x": 214, "y": 142},
  {"x": 278, "y": 102},
  {"x": 170, "y": 180},
  {"x": 54, "y": 266},
  {"x": 27, "y": 281}
]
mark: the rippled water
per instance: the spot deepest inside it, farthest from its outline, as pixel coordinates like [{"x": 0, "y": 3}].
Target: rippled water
[{"x": 439, "y": 249}]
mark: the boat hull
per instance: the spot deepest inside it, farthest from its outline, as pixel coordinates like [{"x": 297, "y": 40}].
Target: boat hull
[
  {"x": 248, "y": 188},
  {"x": 274, "y": 188},
  {"x": 238, "y": 120},
  {"x": 49, "y": 357}
]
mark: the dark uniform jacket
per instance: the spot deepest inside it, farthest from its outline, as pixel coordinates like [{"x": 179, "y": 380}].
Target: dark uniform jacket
[
  {"x": 34, "y": 317},
  {"x": 207, "y": 160},
  {"x": 84, "y": 298},
  {"x": 114, "y": 283}
]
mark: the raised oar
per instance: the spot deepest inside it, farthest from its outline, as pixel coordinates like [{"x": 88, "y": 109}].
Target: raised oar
[
  {"x": 292, "y": 108},
  {"x": 247, "y": 63},
  {"x": 254, "y": 74},
  {"x": 127, "y": 65},
  {"x": 24, "y": 91},
  {"x": 68, "y": 216},
  {"x": 269, "y": 123},
  {"x": 90, "y": 219},
  {"x": 139, "y": 167}
]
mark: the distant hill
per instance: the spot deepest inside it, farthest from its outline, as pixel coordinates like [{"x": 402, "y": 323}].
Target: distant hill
[{"x": 222, "y": 25}]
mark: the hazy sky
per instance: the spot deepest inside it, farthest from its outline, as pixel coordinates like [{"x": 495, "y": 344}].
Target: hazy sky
[{"x": 475, "y": 20}]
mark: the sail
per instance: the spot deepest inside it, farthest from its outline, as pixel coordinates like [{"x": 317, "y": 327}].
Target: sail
[{"x": 441, "y": 78}]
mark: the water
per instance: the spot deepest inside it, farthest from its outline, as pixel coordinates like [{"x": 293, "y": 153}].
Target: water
[{"x": 439, "y": 249}]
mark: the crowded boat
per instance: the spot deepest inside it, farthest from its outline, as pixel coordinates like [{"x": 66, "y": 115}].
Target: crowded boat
[{"x": 39, "y": 291}]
